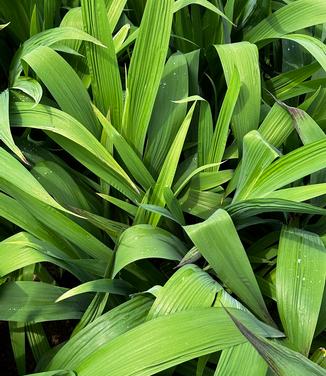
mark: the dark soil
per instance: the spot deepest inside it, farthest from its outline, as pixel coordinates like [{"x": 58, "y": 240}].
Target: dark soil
[
  {"x": 7, "y": 361},
  {"x": 56, "y": 332}
]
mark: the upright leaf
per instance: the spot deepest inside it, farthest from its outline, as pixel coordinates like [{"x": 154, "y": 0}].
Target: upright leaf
[
  {"x": 257, "y": 156},
  {"x": 220, "y": 134},
  {"x": 167, "y": 116},
  {"x": 169, "y": 167},
  {"x": 241, "y": 360},
  {"x": 300, "y": 281},
  {"x": 102, "y": 62},
  {"x": 218, "y": 241},
  {"x": 146, "y": 68},
  {"x": 244, "y": 57}
]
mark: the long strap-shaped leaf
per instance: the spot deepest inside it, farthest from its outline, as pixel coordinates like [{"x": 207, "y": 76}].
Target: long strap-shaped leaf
[
  {"x": 294, "y": 16},
  {"x": 64, "y": 85},
  {"x": 5, "y": 133},
  {"x": 102, "y": 62},
  {"x": 257, "y": 156},
  {"x": 153, "y": 243},
  {"x": 316, "y": 47},
  {"x": 178, "y": 5},
  {"x": 282, "y": 360},
  {"x": 248, "y": 208},
  {"x": 74, "y": 135},
  {"x": 13, "y": 211},
  {"x": 220, "y": 134},
  {"x": 167, "y": 115},
  {"x": 29, "y": 301},
  {"x": 301, "y": 193},
  {"x": 218, "y": 241},
  {"x": 300, "y": 280},
  {"x": 126, "y": 152},
  {"x": 46, "y": 38},
  {"x": 167, "y": 341},
  {"x": 244, "y": 57},
  {"x": 169, "y": 167},
  {"x": 293, "y": 166},
  {"x": 241, "y": 360},
  {"x": 115, "y": 10},
  {"x": 61, "y": 224},
  {"x": 110, "y": 325},
  {"x": 277, "y": 126},
  {"x": 188, "y": 288},
  {"x": 146, "y": 68},
  {"x": 23, "y": 249},
  {"x": 13, "y": 172},
  {"x": 308, "y": 130}
]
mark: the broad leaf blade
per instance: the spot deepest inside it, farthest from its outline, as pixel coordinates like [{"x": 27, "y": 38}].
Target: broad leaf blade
[
  {"x": 300, "y": 280},
  {"x": 102, "y": 62},
  {"x": 173, "y": 339},
  {"x": 294, "y": 16},
  {"x": 72, "y": 97},
  {"x": 244, "y": 57},
  {"x": 146, "y": 68},
  {"x": 218, "y": 241}
]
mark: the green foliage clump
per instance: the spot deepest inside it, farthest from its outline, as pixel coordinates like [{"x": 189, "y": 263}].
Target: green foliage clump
[{"x": 162, "y": 187}]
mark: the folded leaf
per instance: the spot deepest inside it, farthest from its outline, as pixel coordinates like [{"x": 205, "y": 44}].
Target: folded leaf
[{"x": 217, "y": 240}]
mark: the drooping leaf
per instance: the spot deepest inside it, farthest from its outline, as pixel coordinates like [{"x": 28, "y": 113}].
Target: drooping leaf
[
  {"x": 112, "y": 286},
  {"x": 74, "y": 134},
  {"x": 30, "y": 87},
  {"x": 312, "y": 45},
  {"x": 29, "y": 301},
  {"x": 188, "y": 288},
  {"x": 13, "y": 172},
  {"x": 294, "y": 16},
  {"x": 144, "y": 241},
  {"x": 5, "y": 133},
  {"x": 179, "y": 4},
  {"x": 280, "y": 359},
  {"x": 71, "y": 97},
  {"x": 182, "y": 339},
  {"x": 248, "y": 208},
  {"x": 23, "y": 249},
  {"x": 46, "y": 38},
  {"x": 103, "y": 330}
]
